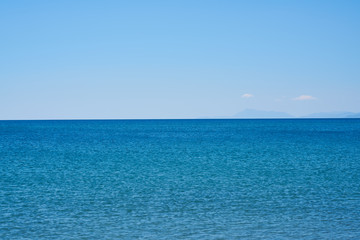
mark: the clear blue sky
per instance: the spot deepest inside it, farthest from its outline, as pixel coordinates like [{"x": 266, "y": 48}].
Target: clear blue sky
[{"x": 177, "y": 59}]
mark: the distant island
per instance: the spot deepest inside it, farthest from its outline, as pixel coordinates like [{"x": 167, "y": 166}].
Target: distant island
[
  {"x": 252, "y": 113},
  {"x": 333, "y": 115}
]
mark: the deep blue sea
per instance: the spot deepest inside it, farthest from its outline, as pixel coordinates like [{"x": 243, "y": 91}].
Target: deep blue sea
[{"x": 180, "y": 179}]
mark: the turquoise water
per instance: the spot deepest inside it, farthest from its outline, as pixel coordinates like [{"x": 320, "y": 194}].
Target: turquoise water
[{"x": 180, "y": 179}]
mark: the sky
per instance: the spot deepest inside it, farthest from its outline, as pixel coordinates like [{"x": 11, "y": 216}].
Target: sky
[{"x": 177, "y": 59}]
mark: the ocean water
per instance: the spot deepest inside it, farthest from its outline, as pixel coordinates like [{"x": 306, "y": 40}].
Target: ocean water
[{"x": 180, "y": 179}]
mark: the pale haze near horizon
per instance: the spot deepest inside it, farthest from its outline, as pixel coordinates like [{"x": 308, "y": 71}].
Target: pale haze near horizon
[{"x": 177, "y": 59}]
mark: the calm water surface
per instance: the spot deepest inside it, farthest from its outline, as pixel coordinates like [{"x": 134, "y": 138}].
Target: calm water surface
[{"x": 180, "y": 179}]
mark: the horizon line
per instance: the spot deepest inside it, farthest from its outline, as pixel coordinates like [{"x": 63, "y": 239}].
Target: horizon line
[{"x": 137, "y": 119}]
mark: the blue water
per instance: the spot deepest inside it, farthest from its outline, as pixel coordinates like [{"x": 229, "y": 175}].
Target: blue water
[{"x": 180, "y": 179}]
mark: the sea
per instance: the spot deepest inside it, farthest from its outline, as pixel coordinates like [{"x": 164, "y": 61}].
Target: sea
[{"x": 180, "y": 179}]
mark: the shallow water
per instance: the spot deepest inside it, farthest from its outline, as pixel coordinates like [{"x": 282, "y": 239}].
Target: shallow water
[{"x": 180, "y": 179}]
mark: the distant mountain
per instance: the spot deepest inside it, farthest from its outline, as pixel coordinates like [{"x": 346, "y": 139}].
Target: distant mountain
[
  {"x": 252, "y": 113},
  {"x": 333, "y": 115},
  {"x": 354, "y": 115}
]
